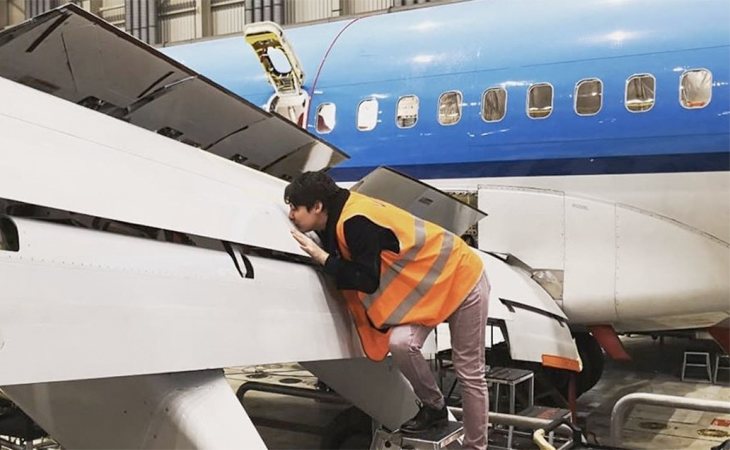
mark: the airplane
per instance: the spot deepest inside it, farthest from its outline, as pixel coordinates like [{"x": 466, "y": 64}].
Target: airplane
[
  {"x": 596, "y": 134},
  {"x": 145, "y": 246}
]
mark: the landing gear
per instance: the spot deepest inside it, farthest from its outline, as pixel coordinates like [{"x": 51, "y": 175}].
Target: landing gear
[
  {"x": 591, "y": 355},
  {"x": 551, "y": 384}
]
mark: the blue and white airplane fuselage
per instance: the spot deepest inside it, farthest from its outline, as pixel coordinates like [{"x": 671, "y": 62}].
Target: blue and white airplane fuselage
[{"x": 624, "y": 206}]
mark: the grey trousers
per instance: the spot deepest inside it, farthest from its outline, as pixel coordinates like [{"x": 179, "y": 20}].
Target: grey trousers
[{"x": 467, "y": 325}]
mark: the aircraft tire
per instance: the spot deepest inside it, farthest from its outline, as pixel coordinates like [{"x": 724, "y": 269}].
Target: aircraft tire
[{"x": 592, "y": 356}]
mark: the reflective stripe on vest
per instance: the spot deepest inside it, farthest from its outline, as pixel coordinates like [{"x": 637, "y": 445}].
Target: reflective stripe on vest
[
  {"x": 399, "y": 265},
  {"x": 424, "y": 283}
]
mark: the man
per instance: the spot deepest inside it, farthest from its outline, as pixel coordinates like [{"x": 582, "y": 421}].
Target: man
[{"x": 401, "y": 277}]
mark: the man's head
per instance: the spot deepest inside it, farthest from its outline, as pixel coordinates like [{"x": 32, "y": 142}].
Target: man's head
[{"x": 309, "y": 196}]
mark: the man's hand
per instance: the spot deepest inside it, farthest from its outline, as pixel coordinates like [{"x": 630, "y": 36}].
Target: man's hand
[{"x": 310, "y": 247}]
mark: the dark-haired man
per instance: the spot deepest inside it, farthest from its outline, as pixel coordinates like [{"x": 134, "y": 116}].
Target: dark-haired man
[{"x": 401, "y": 276}]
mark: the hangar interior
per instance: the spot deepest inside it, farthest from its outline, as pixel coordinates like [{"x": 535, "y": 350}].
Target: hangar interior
[
  {"x": 289, "y": 404},
  {"x": 162, "y": 22}
]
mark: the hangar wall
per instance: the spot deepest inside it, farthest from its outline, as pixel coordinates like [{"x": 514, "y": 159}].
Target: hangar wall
[{"x": 160, "y": 22}]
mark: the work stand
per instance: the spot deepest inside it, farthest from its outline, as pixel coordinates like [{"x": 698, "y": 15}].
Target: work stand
[{"x": 445, "y": 437}]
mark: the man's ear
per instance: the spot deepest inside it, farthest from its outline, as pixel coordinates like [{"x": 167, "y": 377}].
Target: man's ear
[{"x": 318, "y": 207}]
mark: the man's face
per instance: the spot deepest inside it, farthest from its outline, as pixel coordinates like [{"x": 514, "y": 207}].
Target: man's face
[{"x": 307, "y": 219}]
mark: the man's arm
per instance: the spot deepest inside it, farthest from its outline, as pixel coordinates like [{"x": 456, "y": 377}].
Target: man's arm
[
  {"x": 363, "y": 272},
  {"x": 365, "y": 241}
]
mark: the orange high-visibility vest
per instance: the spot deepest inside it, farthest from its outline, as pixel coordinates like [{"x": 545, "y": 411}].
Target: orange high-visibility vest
[{"x": 422, "y": 284}]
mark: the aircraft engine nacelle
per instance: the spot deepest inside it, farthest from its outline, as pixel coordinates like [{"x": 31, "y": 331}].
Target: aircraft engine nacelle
[{"x": 611, "y": 263}]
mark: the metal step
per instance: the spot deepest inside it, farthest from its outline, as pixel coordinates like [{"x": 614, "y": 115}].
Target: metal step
[{"x": 433, "y": 439}]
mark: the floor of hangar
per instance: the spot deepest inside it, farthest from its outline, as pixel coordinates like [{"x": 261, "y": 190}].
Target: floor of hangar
[
  {"x": 284, "y": 421},
  {"x": 287, "y": 422},
  {"x": 656, "y": 368}
]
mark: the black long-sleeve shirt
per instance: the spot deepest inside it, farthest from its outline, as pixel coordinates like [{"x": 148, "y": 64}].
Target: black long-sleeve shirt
[{"x": 365, "y": 239}]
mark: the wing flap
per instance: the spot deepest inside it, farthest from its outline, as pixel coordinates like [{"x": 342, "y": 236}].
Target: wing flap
[
  {"x": 419, "y": 199},
  {"x": 537, "y": 329},
  {"x": 76, "y": 56}
]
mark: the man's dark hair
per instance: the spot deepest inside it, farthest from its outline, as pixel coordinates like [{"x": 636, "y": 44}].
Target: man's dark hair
[{"x": 310, "y": 188}]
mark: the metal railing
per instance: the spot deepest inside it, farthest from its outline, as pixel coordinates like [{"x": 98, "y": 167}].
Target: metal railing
[
  {"x": 571, "y": 435},
  {"x": 624, "y": 405}
]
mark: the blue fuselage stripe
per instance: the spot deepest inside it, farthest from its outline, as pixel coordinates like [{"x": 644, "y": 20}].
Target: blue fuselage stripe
[{"x": 696, "y": 162}]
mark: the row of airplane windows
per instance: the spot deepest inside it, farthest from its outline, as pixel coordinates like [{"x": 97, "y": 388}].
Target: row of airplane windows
[{"x": 695, "y": 92}]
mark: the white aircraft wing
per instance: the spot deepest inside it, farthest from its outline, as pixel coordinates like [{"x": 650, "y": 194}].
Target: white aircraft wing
[
  {"x": 84, "y": 303},
  {"x": 76, "y": 56},
  {"x": 84, "y": 306}
]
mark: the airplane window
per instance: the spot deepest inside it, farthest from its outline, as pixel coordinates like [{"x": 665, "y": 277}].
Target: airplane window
[
  {"x": 494, "y": 104},
  {"x": 278, "y": 60},
  {"x": 540, "y": 100},
  {"x": 407, "y": 111},
  {"x": 9, "y": 240},
  {"x": 326, "y": 118},
  {"x": 695, "y": 88},
  {"x": 449, "y": 108},
  {"x": 367, "y": 114},
  {"x": 588, "y": 97},
  {"x": 640, "y": 92}
]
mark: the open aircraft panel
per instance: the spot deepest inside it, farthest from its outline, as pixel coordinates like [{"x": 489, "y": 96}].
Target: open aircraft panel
[{"x": 76, "y": 56}]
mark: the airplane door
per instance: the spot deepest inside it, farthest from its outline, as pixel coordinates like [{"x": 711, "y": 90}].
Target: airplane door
[{"x": 283, "y": 70}]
